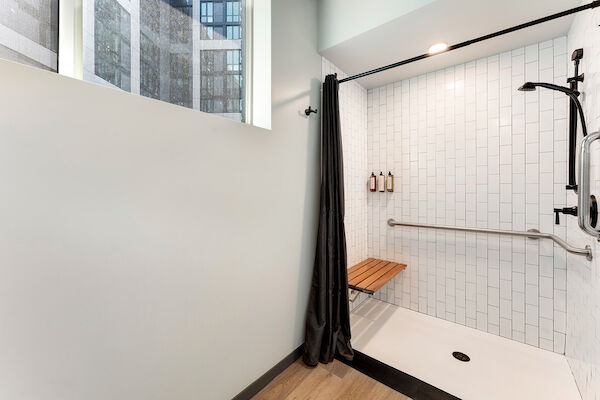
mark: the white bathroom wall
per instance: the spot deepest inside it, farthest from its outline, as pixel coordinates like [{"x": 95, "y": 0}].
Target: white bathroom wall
[
  {"x": 583, "y": 277},
  {"x": 340, "y": 20},
  {"x": 468, "y": 149},
  {"x": 353, "y": 119},
  {"x": 150, "y": 251}
]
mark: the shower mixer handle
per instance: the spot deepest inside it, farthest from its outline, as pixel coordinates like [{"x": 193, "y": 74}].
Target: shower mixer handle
[
  {"x": 566, "y": 211},
  {"x": 593, "y": 216}
]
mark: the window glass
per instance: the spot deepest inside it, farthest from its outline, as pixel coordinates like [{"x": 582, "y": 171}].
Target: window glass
[
  {"x": 29, "y": 32},
  {"x": 223, "y": 81},
  {"x": 233, "y": 32},
  {"x": 112, "y": 43},
  {"x": 180, "y": 20},
  {"x": 233, "y": 11},
  {"x": 149, "y": 67},
  {"x": 234, "y": 60},
  {"x": 208, "y": 33},
  {"x": 206, "y": 11},
  {"x": 160, "y": 50}
]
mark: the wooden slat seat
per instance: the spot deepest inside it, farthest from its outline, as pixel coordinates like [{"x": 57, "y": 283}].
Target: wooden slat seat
[{"x": 371, "y": 274}]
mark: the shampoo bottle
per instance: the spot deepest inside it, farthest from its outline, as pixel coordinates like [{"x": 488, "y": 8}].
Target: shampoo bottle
[
  {"x": 381, "y": 182},
  {"x": 389, "y": 183},
  {"x": 373, "y": 183}
]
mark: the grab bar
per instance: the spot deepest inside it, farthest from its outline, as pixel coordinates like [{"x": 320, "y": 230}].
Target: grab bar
[
  {"x": 532, "y": 234},
  {"x": 583, "y": 195}
]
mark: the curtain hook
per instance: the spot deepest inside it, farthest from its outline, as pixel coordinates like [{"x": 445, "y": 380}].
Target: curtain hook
[{"x": 309, "y": 111}]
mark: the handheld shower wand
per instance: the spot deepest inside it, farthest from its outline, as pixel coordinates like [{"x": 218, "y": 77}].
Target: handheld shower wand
[{"x": 573, "y": 94}]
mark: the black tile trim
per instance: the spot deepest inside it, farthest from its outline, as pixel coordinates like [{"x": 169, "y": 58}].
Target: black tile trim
[
  {"x": 400, "y": 381},
  {"x": 271, "y": 374}
]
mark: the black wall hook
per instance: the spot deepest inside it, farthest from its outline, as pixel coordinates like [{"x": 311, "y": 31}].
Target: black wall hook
[{"x": 309, "y": 110}]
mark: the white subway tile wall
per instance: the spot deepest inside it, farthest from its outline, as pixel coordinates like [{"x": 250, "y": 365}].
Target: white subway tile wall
[
  {"x": 468, "y": 149},
  {"x": 353, "y": 117},
  {"x": 583, "y": 278}
]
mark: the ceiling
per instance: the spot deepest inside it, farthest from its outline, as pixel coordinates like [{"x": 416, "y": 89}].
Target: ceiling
[{"x": 450, "y": 21}]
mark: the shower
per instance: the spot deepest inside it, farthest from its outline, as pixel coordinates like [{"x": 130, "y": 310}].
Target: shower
[
  {"x": 453, "y": 250},
  {"x": 573, "y": 94}
]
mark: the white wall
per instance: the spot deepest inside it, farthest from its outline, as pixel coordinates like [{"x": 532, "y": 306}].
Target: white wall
[
  {"x": 583, "y": 278},
  {"x": 340, "y": 20},
  {"x": 468, "y": 149},
  {"x": 151, "y": 251}
]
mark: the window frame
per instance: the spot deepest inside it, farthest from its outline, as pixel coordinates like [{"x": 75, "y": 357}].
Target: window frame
[
  {"x": 255, "y": 57},
  {"x": 236, "y": 17},
  {"x": 206, "y": 15},
  {"x": 235, "y": 33}
]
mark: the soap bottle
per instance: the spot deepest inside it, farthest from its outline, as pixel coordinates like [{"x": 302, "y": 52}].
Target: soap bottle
[
  {"x": 373, "y": 182},
  {"x": 381, "y": 182},
  {"x": 389, "y": 182}
]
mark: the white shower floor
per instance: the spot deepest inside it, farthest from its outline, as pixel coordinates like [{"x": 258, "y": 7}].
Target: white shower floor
[{"x": 422, "y": 346}]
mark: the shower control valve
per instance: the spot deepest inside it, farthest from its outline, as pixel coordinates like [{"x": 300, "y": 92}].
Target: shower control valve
[
  {"x": 566, "y": 211},
  {"x": 573, "y": 211}
]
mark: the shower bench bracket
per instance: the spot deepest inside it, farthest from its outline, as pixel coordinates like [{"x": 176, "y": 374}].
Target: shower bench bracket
[{"x": 372, "y": 274}]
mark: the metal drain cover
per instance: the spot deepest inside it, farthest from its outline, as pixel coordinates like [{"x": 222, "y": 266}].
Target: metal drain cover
[{"x": 461, "y": 356}]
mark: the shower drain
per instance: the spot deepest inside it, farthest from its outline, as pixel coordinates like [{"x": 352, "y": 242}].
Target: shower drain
[{"x": 461, "y": 356}]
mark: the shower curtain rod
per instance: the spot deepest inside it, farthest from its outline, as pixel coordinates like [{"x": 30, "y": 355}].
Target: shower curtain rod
[{"x": 589, "y": 6}]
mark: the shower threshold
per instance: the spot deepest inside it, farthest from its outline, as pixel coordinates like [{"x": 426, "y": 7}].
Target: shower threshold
[{"x": 422, "y": 346}]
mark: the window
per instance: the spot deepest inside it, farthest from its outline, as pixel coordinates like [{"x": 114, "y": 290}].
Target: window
[
  {"x": 206, "y": 11},
  {"x": 207, "y": 86},
  {"x": 233, "y": 11},
  {"x": 208, "y": 33},
  {"x": 187, "y": 52},
  {"x": 234, "y": 60},
  {"x": 207, "y": 65},
  {"x": 29, "y": 33},
  {"x": 181, "y": 79},
  {"x": 149, "y": 67},
  {"x": 216, "y": 25},
  {"x": 233, "y": 32},
  {"x": 112, "y": 38},
  {"x": 180, "y": 20},
  {"x": 222, "y": 82},
  {"x": 206, "y": 105},
  {"x": 159, "y": 50},
  {"x": 149, "y": 15},
  {"x": 234, "y": 85}
]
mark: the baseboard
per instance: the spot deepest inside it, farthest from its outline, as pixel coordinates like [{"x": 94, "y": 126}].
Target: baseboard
[
  {"x": 400, "y": 381},
  {"x": 264, "y": 380}
]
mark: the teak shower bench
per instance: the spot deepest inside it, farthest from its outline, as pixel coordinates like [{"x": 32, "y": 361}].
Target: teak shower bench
[{"x": 370, "y": 275}]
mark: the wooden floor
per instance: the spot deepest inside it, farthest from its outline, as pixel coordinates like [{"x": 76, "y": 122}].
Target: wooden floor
[{"x": 327, "y": 382}]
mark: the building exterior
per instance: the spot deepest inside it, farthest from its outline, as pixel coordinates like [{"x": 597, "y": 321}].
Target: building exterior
[
  {"x": 29, "y": 32},
  {"x": 185, "y": 52}
]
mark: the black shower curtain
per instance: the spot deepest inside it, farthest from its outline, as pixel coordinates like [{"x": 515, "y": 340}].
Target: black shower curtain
[{"x": 328, "y": 314}]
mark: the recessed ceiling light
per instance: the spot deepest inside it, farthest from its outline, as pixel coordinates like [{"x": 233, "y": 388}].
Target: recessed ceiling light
[{"x": 438, "y": 47}]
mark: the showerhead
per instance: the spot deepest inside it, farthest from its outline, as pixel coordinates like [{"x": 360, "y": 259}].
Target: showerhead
[
  {"x": 577, "y": 55},
  {"x": 531, "y": 86},
  {"x": 573, "y": 94},
  {"x": 527, "y": 87}
]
